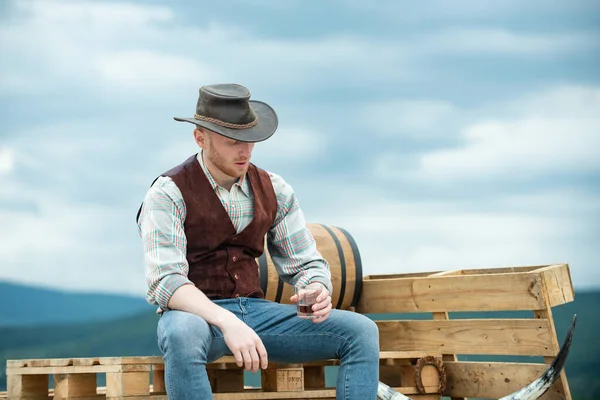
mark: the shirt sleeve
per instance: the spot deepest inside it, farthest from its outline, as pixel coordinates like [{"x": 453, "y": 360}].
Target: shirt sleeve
[
  {"x": 160, "y": 226},
  {"x": 291, "y": 245}
]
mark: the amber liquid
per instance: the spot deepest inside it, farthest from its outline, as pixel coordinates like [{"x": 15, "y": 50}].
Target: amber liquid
[{"x": 304, "y": 309}]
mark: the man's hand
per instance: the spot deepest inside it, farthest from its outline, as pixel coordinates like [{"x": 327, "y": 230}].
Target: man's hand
[
  {"x": 322, "y": 308},
  {"x": 245, "y": 345}
]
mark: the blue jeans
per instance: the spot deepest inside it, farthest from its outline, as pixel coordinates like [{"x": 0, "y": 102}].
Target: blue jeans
[{"x": 188, "y": 342}]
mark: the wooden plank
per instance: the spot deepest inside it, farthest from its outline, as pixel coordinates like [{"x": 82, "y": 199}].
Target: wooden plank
[
  {"x": 500, "y": 270},
  {"x": 558, "y": 284},
  {"x": 82, "y": 361},
  {"x": 395, "y": 276},
  {"x": 448, "y": 357},
  {"x": 78, "y": 370},
  {"x": 492, "y": 380},
  {"x": 546, "y": 314},
  {"x": 505, "y": 291},
  {"x": 469, "y": 336}
]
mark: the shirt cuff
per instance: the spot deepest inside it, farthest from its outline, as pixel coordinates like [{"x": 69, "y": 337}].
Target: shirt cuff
[
  {"x": 167, "y": 286},
  {"x": 324, "y": 282}
]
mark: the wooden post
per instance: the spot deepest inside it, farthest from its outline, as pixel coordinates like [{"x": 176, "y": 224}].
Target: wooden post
[
  {"x": 30, "y": 387},
  {"x": 283, "y": 379},
  {"x": 68, "y": 386},
  {"x": 546, "y": 313},
  {"x": 120, "y": 384}
]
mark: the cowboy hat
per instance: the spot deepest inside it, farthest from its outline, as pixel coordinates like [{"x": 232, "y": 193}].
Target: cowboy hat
[{"x": 226, "y": 109}]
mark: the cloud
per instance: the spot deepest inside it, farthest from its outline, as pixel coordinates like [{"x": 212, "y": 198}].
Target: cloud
[
  {"x": 544, "y": 134},
  {"x": 417, "y": 119},
  {"x": 504, "y": 42},
  {"x": 71, "y": 245},
  {"x": 7, "y": 160},
  {"x": 143, "y": 69},
  {"x": 387, "y": 131},
  {"x": 399, "y": 236}
]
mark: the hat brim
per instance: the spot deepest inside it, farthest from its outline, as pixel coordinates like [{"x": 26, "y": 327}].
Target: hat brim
[{"x": 264, "y": 129}]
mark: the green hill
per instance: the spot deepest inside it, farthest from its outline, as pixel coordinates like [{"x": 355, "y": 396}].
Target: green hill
[
  {"x": 37, "y": 306},
  {"x": 136, "y": 336}
]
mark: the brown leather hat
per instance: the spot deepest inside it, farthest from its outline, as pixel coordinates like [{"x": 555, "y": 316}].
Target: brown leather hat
[{"x": 227, "y": 110}]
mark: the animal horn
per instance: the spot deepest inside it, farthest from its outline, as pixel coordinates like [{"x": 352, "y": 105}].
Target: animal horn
[
  {"x": 541, "y": 385},
  {"x": 533, "y": 391},
  {"x": 384, "y": 392}
]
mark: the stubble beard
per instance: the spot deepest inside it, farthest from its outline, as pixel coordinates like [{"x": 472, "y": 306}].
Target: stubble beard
[{"x": 231, "y": 170}]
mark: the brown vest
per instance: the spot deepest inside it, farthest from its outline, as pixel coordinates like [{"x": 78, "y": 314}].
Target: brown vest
[{"x": 223, "y": 262}]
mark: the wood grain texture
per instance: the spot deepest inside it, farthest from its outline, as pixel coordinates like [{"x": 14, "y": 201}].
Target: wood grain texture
[
  {"x": 492, "y": 379},
  {"x": 476, "y": 336},
  {"x": 505, "y": 291}
]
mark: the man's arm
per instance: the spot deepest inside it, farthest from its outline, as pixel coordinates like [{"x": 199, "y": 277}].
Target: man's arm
[
  {"x": 291, "y": 245},
  {"x": 161, "y": 229},
  {"x": 163, "y": 236}
]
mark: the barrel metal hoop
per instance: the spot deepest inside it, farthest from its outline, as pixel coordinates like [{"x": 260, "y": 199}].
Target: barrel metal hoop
[
  {"x": 342, "y": 264},
  {"x": 358, "y": 281}
]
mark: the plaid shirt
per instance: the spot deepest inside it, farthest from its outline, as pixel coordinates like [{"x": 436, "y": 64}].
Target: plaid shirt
[{"x": 291, "y": 245}]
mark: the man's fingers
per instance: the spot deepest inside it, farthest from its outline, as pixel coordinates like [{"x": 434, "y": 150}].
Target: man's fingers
[
  {"x": 262, "y": 353},
  {"x": 255, "y": 360},
  {"x": 247, "y": 360},
  {"x": 239, "y": 360},
  {"x": 322, "y": 304}
]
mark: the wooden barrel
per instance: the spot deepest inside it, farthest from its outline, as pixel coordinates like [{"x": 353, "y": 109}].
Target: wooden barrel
[{"x": 338, "y": 247}]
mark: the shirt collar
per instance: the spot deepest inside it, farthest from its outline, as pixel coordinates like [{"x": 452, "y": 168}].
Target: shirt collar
[{"x": 242, "y": 183}]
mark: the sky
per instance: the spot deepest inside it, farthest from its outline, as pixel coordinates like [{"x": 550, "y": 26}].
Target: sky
[{"x": 442, "y": 136}]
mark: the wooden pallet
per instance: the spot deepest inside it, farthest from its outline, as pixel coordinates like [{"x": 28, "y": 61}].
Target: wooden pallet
[
  {"x": 535, "y": 289},
  {"x": 403, "y": 343},
  {"x": 129, "y": 378}
]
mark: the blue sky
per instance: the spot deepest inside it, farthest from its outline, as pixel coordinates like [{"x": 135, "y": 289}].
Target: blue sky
[{"x": 442, "y": 135}]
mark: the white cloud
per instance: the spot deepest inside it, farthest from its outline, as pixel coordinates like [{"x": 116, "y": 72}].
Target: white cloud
[
  {"x": 397, "y": 236},
  {"x": 72, "y": 246},
  {"x": 125, "y": 45},
  {"x": 417, "y": 119},
  {"x": 291, "y": 145},
  {"x": 548, "y": 133},
  {"x": 504, "y": 42},
  {"x": 7, "y": 160},
  {"x": 147, "y": 70}
]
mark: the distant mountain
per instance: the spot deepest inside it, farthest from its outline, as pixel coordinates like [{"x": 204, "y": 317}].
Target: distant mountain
[
  {"x": 31, "y": 305},
  {"x": 136, "y": 336}
]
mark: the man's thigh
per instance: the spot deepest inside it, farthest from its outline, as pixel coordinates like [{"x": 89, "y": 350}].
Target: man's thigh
[{"x": 289, "y": 338}]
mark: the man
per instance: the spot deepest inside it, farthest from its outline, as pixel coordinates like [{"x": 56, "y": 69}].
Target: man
[{"x": 203, "y": 224}]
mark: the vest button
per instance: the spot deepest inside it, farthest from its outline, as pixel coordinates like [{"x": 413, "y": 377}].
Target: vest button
[
  {"x": 234, "y": 258},
  {"x": 236, "y": 276},
  {"x": 237, "y": 295}
]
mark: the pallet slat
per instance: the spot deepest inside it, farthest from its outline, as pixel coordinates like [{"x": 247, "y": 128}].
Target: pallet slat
[
  {"x": 469, "y": 336},
  {"x": 473, "y": 379},
  {"x": 504, "y": 291}
]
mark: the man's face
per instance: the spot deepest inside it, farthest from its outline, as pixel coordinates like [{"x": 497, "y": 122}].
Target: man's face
[{"x": 230, "y": 156}]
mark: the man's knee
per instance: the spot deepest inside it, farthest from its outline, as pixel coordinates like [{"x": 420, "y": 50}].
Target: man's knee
[
  {"x": 361, "y": 328},
  {"x": 179, "y": 330}
]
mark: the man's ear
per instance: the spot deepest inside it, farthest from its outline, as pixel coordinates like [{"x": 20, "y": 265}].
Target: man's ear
[{"x": 201, "y": 137}]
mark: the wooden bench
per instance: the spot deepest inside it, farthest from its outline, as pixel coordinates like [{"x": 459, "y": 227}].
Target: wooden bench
[{"x": 431, "y": 335}]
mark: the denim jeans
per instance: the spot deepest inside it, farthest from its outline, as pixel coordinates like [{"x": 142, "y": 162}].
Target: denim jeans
[{"x": 188, "y": 342}]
